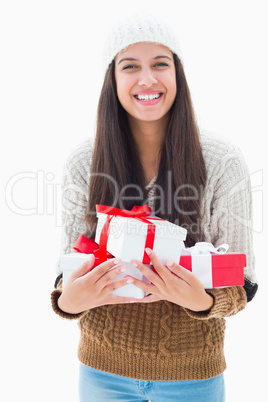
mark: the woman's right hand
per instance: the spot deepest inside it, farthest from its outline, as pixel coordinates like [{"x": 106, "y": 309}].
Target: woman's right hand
[{"x": 87, "y": 289}]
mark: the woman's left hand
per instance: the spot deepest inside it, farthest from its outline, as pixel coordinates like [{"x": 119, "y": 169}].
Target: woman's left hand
[{"x": 173, "y": 283}]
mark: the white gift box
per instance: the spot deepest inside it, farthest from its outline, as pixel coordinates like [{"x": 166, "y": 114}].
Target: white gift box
[
  {"x": 127, "y": 237},
  {"x": 70, "y": 262}
]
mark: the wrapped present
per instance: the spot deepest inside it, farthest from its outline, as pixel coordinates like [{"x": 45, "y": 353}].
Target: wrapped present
[
  {"x": 126, "y": 234},
  {"x": 213, "y": 266},
  {"x": 85, "y": 247},
  {"x": 69, "y": 263}
]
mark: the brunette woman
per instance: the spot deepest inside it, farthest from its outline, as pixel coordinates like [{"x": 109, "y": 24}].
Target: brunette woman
[{"x": 168, "y": 346}]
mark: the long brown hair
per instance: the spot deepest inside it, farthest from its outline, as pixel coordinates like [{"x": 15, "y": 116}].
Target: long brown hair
[{"x": 116, "y": 167}]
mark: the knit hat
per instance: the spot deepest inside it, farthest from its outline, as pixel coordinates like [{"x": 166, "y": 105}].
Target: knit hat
[{"x": 138, "y": 29}]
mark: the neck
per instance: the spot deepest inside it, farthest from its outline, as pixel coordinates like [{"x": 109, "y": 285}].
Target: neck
[{"x": 149, "y": 137}]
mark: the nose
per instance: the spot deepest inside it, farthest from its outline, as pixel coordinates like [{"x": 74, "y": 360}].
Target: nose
[{"x": 147, "y": 78}]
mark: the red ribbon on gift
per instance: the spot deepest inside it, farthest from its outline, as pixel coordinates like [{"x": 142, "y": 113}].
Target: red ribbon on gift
[
  {"x": 137, "y": 212},
  {"x": 88, "y": 246}
]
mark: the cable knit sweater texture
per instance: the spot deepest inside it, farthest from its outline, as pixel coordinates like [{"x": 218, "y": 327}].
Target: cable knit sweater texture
[{"x": 161, "y": 340}]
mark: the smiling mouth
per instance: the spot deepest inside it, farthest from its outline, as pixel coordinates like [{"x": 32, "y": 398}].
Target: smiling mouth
[{"x": 146, "y": 98}]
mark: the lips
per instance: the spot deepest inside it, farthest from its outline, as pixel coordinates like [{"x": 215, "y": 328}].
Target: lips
[{"x": 148, "y": 97}]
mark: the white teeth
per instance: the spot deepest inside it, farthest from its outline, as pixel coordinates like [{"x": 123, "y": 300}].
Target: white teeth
[{"x": 147, "y": 97}]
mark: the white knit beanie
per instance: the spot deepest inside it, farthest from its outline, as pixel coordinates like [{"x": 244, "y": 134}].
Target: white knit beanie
[{"x": 138, "y": 29}]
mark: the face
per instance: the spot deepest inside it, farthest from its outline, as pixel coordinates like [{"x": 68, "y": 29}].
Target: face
[{"x": 146, "y": 81}]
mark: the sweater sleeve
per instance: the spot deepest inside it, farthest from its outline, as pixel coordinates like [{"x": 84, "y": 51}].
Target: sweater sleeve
[
  {"x": 230, "y": 221},
  {"x": 54, "y": 303},
  {"x": 74, "y": 199}
]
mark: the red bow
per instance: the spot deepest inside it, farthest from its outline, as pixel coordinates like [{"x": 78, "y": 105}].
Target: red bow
[
  {"x": 137, "y": 212},
  {"x": 89, "y": 246}
]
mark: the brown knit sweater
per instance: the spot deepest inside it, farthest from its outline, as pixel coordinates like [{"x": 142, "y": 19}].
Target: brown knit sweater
[{"x": 161, "y": 340}]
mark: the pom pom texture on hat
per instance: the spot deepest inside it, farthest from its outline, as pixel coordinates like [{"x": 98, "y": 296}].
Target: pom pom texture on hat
[{"x": 135, "y": 30}]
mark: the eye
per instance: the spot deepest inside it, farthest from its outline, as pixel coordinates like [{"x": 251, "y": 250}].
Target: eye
[
  {"x": 129, "y": 67},
  {"x": 162, "y": 64}
]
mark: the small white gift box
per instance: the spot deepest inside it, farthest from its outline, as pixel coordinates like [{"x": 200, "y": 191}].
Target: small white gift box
[
  {"x": 127, "y": 237},
  {"x": 70, "y": 262}
]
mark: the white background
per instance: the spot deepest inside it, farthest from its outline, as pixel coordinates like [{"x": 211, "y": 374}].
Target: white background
[{"x": 51, "y": 75}]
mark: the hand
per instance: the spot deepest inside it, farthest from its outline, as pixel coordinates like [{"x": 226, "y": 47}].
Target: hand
[
  {"x": 87, "y": 289},
  {"x": 173, "y": 283}
]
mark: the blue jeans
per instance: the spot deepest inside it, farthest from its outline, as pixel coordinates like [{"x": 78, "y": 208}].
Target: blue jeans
[{"x": 99, "y": 386}]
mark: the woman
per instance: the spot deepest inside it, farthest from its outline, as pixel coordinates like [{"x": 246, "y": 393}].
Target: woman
[{"x": 167, "y": 346}]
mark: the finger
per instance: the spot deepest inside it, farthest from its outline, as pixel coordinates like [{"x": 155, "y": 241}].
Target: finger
[
  {"x": 146, "y": 287},
  {"x": 84, "y": 268},
  {"x": 179, "y": 271},
  {"x": 114, "y": 285},
  {"x": 147, "y": 272},
  {"x": 112, "y": 274},
  {"x": 103, "y": 268},
  {"x": 160, "y": 268}
]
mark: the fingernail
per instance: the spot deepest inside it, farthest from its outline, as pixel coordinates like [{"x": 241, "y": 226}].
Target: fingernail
[
  {"x": 148, "y": 251},
  {"x": 123, "y": 269},
  {"x": 116, "y": 261},
  {"x": 134, "y": 264},
  {"x": 130, "y": 280},
  {"x": 170, "y": 263}
]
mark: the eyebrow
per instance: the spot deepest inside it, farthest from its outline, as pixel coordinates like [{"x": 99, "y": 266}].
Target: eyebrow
[
  {"x": 155, "y": 58},
  {"x": 127, "y": 59}
]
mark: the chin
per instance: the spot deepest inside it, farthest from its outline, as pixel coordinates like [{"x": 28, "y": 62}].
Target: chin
[{"x": 149, "y": 118}]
